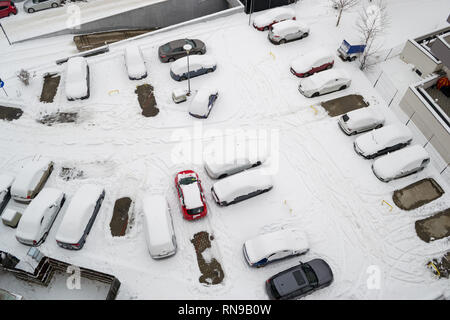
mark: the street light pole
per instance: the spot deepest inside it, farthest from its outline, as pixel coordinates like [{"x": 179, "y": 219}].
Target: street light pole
[{"x": 188, "y": 48}]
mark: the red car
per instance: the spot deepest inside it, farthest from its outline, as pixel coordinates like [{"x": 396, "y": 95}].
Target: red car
[
  {"x": 311, "y": 63},
  {"x": 7, "y": 8},
  {"x": 190, "y": 192}
]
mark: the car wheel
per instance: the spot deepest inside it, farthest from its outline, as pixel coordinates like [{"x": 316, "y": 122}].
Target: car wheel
[
  {"x": 183, "y": 78},
  {"x": 378, "y": 126},
  {"x": 282, "y": 41},
  {"x": 223, "y": 176},
  {"x": 256, "y": 164},
  {"x": 315, "y": 94},
  {"x": 353, "y": 58},
  {"x": 306, "y": 74},
  {"x": 199, "y": 53},
  {"x": 329, "y": 66},
  {"x": 209, "y": 70},
  {"x": 31, "y": 10},
  {"x": 305, "y": 35},
  {"x": 171, "y": 60},
  {"x": 343, "y": 87},
  {"x": 54, "y": 5},
  {"x": 266, "y": 28}
]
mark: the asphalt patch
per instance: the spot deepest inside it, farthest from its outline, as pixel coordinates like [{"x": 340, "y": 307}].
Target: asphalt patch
[
  {"x": 119, "y": 220},
  {"x": 10, "y": 113},
  {"x": 435, "y": 227},
  {"x": 417, "y": 194},
  {"x": 147, "y": 100},
  {"x": 59, "y": 117},
  {"x": 50, "y": 87},
  {"x": 342, "y": 105},
  {"x": 68, "y": 174},
  {"x": 212, "y": 272}
]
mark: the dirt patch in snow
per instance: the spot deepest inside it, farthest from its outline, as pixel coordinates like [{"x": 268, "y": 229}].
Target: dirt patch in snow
[
  {"x": 442, "y": 265},
  {"x": 147, "y": 100},
  {"x": 50, "y": 87},
  {"x": 417, "y": 194},
  {"x": 210, "y": 268},
  {"x": 70, "y": 173},
  {"x": 119, "y": 220},
  {"x": 59, "y": 117},
  {"x": 345, "y": 104},
  {"x": 10, "y": 113},
  {"x": 435, "y": 227}
]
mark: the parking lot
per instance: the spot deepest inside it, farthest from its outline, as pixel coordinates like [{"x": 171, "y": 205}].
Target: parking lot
[{"x": 320, "y": 184}]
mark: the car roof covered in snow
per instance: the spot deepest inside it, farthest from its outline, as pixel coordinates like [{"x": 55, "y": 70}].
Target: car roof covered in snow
[
  {"x": 6, "y": 181},
  {"x": 378, "y": 139},
  {"x": 305, "y": 62},
  {"x": 158, "y": 227},
  {"x": 192, "y": 195},
  {"x": 26, "y": 179},
  {"x": 242, "y": 183},
  {"x": 78, "y": 213},
  {"x": 29, "y": 224},
  {"x": 390, "y": 165},
  {"x": 363, "y": 116},
  {"x": 134, "y": 61},
  {"x": 287, "y": 26},
  {"x": 195, "y": 62},
  {"x": 264, "y": 245},
  {"x": 317, "y": 80},
  {"x": 199, "y": 104},
  {"x": 220, "y": 163},
  {"x": 267, "y": 17},
  {"x": 76, "y": 83}
]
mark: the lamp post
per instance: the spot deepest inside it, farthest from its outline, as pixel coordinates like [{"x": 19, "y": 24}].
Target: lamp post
[{"x": 187, "y": 47}]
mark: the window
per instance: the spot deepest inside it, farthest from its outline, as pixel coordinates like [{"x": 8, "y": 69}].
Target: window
[
  {"x": 3, "y": 8},
  {"x": 299, "y": 278},
  {"x": 310, "y": 275}
]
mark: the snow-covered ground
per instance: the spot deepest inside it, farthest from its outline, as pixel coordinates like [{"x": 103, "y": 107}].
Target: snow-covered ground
[{"x": 320, "y": 184}]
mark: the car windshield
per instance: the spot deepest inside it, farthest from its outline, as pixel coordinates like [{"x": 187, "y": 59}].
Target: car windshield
[
  {"x": 192, "y": 43},
  {"x": 310, "y": 275},
  {"x": 188, "y": 180},
  {"x": 195, "y": 210}
]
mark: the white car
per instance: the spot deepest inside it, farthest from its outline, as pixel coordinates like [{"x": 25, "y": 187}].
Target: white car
[
  {"x": 311, "y": 63},
  {"x": 203, "y": 102},
  {"x": 135, "y": 63},
  {"x": 6, "y": 182},
  {"x": 30, "y": 180},
  {"x": 79, "y": 217},
  {"x": 241, "y": 186},
  {"x": 77, "y": 79},
  {"x": 264, "y": 21},
  {"x": 286, "y": 31},
  {"x": 360, "y": 120},
  {"x": 324, "y": 82},
  {"x": 198, "y": 65},
  {"x": 275, "y": 245},
  {"x": 381, "y": 141},
  {"x": 401, "y": 163},
  {"x": 38, "y": 217},
  {"x": 159, "y": 233},
  {"x": 218, "y": 168}
]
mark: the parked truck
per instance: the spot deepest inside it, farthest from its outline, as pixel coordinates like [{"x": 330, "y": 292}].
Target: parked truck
[{"x": 350, "y": 52}]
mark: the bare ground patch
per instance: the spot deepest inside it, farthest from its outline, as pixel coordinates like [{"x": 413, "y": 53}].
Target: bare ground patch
[
  {"x": 70, "y": 173},
  {"x": 212, "y": 272},
  {"x": 147, "y": 100},
  {"x": 345, "y": 104},
  {"x": 417, "y": 194},
  {"x": 442, "y": 265},
  {"x": 50, "y": 87},
  {"x": 10, "y": 113},
  {"x": 119, "y": 220},
  {"x": 59, "y": 117},
  {"x": 435, "y": 227}
]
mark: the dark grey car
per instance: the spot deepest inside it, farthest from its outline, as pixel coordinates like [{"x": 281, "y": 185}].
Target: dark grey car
[
  {"x": 299, "y": 281},
  {"x": 173, "y": 50}
]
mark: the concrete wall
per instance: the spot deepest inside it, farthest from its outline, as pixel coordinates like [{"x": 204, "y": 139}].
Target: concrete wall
[
  {"x": 414, "y": 54},
  {"x": 441, "y": 49},
  {"x": 426, "y": 121}
]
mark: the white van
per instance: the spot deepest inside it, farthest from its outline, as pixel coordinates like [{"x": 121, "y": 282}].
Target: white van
[
  {"x": 79, "y": 217},
  {"x": 159, "y": 233},
  {"x": 30, "y": 180},
  {"x": 39, "y": 216},
  {"x": 241, "y": 186}
]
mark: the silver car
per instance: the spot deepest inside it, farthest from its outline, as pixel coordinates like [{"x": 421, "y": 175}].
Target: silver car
[{"x": 32, "y": 6}]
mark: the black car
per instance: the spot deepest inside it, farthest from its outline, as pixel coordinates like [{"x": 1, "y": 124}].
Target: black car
[
  {"x": 173, "y": 50},
  {"x": 299, "y": 281}
]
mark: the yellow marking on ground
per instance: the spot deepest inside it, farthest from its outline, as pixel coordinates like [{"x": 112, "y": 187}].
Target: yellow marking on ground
[
  {"x": 384, "y": 201},
  {"x": 315, "y": 110},
  {"x": 273, "y": 56},
  {"x": 110, "y": 92},
  {"x": 434, "y": 267}
]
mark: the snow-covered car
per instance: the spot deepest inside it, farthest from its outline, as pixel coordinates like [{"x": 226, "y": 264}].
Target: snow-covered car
[
  {"x": 203, "y": 102},
  {"x": 324, "y": 82},
  {"x": 286, "y": 31},
  {"x": 198, "y": 65},
  {"x": 6, "y": 182},
  {"x": 190, "y": 193},
  {"x": 218, "y": 168},
  {"x": 159, "y": 233},
  {"x": 381, "y": 141},
  {"x": 264, "y": 21},
  {"x": 276, "y": 245},
  {"x": 174, "y": 50},
  {"x": 79, "y": 217},
  {"x": 311, "y": 63},
  {"x": 241, "y": 186},
  {"x": 401, "y": 163},
  {"x": 360, "y": 120},
  {"x": 135, "y": 63},
  {"x": 77, "y": 79},
  {"x": 300, "y": 280},
  {"x": 38, "y": 217},
  {"x": 32, "y": 6},
  {"x": 31, "y": 179}
]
